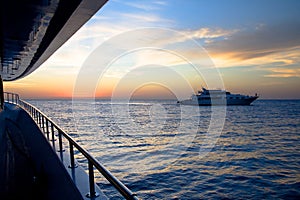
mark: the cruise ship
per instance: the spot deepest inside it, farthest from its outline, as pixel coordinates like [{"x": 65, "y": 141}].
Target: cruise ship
[{"x": 218, "y": 97}]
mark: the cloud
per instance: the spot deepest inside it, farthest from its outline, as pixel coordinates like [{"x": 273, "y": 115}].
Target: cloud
[
  {"x": 260, "y": 42},
  {"x": 283, "y": 73},
  {"x": 210, "y": 33},
  {"x": 205, "y": 34},
  {"x": 142, "y": 6},
  {"x": 135, "y": 20},
  {"x": 75, "y": 51},
  {"x": 146, "y": 5},
  {"x": 163, "y": 3},
  {"x": 273, "y": 49}
]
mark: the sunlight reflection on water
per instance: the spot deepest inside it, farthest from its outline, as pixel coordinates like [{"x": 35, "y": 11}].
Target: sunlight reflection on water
[{"x": 256, "y": 156}]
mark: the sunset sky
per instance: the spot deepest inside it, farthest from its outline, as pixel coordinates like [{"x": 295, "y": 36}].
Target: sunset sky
[{"x": 255, "y": 45}]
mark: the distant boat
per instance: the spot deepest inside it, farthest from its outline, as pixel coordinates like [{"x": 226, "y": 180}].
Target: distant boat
[{"x": 218, "y": 97}]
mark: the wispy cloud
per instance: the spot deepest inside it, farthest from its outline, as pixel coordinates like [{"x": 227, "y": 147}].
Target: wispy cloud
[
  {"x": 145, "y": 18},
  {"x": 163, "y": 3},
  {"x": 258, "y": 43},
  {"x": 274, "y": 49},
  {"x": 210, "y": 33},
  {"x": 145, "y": 5},
  {"x": 283, "y": 73}
]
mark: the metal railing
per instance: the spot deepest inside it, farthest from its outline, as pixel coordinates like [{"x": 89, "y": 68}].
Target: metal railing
[
  {"x": 11, "y": 97},
  {"x": 50, "y": 129}
]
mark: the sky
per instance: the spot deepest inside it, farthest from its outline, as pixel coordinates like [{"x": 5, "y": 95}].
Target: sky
[{"x": 148, "y": 49}]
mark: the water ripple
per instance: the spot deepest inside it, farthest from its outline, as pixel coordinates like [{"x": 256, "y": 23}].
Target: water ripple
[{"x": 257, "y": 156}]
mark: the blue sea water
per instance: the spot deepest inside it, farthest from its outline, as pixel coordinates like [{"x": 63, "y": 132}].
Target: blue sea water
[{"x": 157, "y": 150}]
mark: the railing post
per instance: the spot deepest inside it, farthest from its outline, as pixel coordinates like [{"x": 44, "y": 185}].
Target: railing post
[
  {"x": 1, "y": 94},
  {"x": 39, "y": 119},
  {"x": 92, "y": 192},
  {"x": 47, "y": 129},
  {"x": 18, "y": 99},
  {"x": 43, "y": 124},
  {"x": 40, "y": 115},
  {"x": 72, "y": 160},
  {"x": 60, "y": 141},
  {"x": 53, "y": 137},
  {"x": 36, "y": 115},
  {"x": 52, "y": 132}
]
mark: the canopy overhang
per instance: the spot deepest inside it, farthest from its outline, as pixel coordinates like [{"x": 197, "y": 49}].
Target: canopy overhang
[{"x": 32, "y": 30}]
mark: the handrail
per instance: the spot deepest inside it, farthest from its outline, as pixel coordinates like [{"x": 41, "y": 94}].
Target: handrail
[
  {"x": 48, "y": 126},
  {"x": 11, "y": 97}
]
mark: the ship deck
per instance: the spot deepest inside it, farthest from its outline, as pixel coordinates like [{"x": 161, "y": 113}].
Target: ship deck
[{"x": 32, "y": 169}]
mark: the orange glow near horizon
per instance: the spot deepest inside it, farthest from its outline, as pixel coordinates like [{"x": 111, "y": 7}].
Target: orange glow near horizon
[
  {"x": 153, "y": 91},
  {"x": 41, "y": 87}
]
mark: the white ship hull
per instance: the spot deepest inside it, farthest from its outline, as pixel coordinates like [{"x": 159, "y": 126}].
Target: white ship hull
[
  {"x": 209, "y": 103},
  {"x": 218, "y": 97}
]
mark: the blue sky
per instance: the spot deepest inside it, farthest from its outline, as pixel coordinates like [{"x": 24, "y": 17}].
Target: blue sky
[
  {"x": 254, "y": 44},
  {"x": 230, "y": 14}
]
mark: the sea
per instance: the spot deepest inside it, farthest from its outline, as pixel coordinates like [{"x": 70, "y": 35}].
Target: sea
[{"x": 162, "y": 150}]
